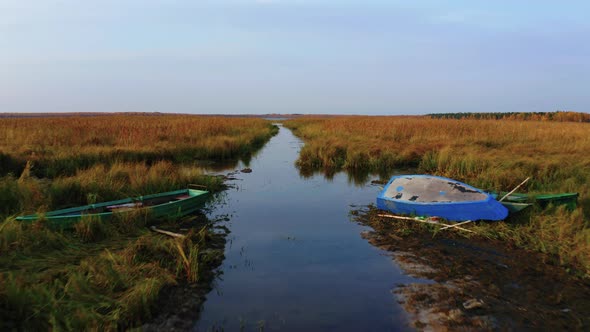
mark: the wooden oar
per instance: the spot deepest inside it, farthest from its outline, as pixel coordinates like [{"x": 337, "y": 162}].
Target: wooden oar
[{"x": 513, "y": 190}]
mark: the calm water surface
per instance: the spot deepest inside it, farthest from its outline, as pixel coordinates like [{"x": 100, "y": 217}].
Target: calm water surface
[{"x": 294, "y": 260}]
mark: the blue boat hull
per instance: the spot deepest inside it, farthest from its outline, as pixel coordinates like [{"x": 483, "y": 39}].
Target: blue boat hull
[{"x": 484, "y": 208}]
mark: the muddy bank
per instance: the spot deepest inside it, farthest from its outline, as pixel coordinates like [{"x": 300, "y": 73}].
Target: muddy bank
[
  {"x": 478, "y": 284},
  {"x": 179, "y": 306}
]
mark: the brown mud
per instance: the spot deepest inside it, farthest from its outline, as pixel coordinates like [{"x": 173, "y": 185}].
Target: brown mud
[{"x": 475, "y": 284}]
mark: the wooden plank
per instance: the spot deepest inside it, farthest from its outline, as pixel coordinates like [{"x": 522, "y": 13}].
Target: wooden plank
[{"x": 176, "y": 235}]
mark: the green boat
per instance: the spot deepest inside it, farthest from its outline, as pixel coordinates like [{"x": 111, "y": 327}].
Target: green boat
[
  {"x": 172, "y": 204},
  {"x": 570, "y": 200},
  {"x": 514, "y": 207}
]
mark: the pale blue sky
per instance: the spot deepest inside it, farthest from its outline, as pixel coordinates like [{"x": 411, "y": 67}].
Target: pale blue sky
[{"x": 264, "y": 56}]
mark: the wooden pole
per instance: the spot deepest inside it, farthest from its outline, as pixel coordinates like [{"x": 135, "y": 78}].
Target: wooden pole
[
  {"x": 176, "y": 235},
  {"x": 427, "y": 221},
  {"x": 513, "y": 190},
  {"x": 456, "y": 226},
  {"x": 408, "y": 218}
]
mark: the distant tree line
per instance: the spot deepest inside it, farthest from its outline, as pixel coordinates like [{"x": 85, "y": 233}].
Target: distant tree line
[{"x": 560, "y": 116}]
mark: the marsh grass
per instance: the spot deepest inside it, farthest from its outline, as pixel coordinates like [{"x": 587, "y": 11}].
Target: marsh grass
[
  {"x": 555, "y": 231},
  {"x": 63, "y": 146},
  {"x": 95, "y": 277},
  {"x": 92, "y": 228},
  {"x": 488, "y": 154},
  {"x": 103, "y": 274},
  {"x": 106, "y": 274},
  {"x": 493, "y": 152},
  {"x": 99, "y": 183}
]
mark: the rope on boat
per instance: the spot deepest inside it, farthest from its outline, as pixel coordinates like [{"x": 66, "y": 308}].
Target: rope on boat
[{"x": 513, "y": 190}]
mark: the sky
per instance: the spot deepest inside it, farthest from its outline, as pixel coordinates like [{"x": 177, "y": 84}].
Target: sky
[{"x": 280, "y": 56}]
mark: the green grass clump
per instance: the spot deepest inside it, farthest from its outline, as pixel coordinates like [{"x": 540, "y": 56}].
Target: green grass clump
[
  {"x": 10, "y": 199},
  {"x": 103, "y": 274},
  {"x": 555, "y": 231},
  {"x": 99, "y": 183},
  {"x": 27, "y": 239},
  {"x": 94, "y": 278}
]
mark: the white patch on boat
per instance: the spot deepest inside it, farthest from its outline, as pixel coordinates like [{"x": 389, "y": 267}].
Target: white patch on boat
[{"x": 430, "y": 190}]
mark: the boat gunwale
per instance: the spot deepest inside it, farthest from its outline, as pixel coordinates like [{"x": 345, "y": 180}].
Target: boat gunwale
[{"x": 515, "y": 207}]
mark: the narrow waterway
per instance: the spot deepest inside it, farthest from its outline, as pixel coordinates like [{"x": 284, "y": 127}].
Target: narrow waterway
[{"x": 294, "y": 260}]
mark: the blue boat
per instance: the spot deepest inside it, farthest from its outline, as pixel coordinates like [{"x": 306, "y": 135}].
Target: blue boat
[{"x": 435, "y": 196}]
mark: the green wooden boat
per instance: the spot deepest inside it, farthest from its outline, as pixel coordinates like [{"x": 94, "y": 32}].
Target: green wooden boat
[
  {"x": 570, "y": 200},
  {"x": 514, "y": 207},
  {"x": 172, "y": 204}
]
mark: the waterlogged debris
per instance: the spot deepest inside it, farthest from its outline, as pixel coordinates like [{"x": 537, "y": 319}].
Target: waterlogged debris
[
  {"x": 246, "y": 170},
  {"x": 171, "y": 234},
  {"x": 473, "y": 304}
]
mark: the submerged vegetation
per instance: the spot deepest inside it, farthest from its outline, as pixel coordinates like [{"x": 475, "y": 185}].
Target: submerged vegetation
[
  {"x": 489, "y": 154},
  {"x": 106, "y": 275}
]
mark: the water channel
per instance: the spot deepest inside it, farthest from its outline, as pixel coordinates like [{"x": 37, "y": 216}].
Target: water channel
[{"x": 294, "y": 260}]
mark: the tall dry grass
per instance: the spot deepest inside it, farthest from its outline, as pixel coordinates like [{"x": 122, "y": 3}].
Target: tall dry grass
[
  {"x": 99, "y": 183},
  {"x": 57, "y": 146},
  {"x": 105, "y": 275},
  {"x": 489, "y": 154},
  {"x": 494, "y": 154}
]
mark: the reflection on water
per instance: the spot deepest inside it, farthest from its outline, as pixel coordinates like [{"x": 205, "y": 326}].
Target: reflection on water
[
  {"x": 294, "y": 261},
  {"x": 225, "y": 165},
  {"x": 358, "y": 178}
]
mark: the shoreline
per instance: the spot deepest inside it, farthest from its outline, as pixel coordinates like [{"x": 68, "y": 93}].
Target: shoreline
[{"x": 478, "y": 284}]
